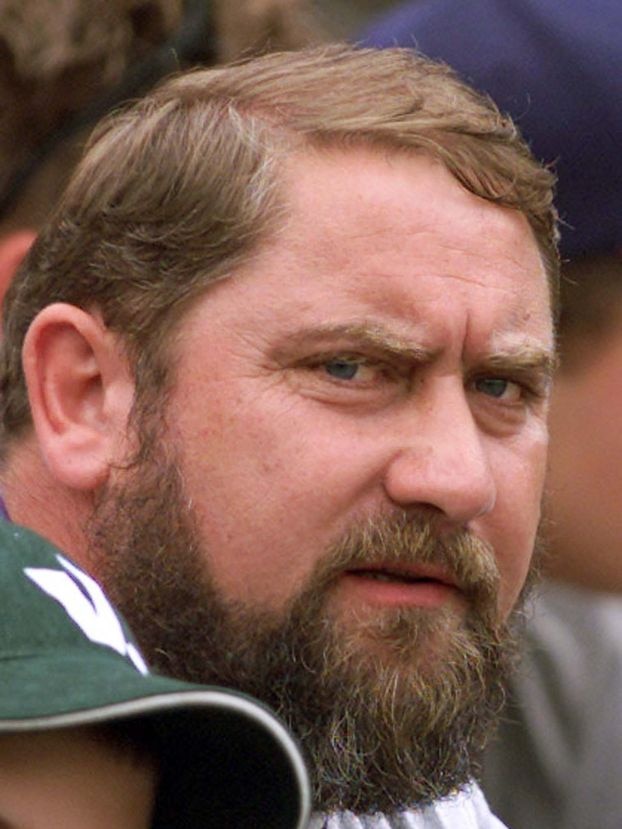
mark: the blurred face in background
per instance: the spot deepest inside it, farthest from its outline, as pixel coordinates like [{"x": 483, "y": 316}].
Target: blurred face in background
[
  {"x": 585, "y": 478},
  {"x": 72, "y": 780}
]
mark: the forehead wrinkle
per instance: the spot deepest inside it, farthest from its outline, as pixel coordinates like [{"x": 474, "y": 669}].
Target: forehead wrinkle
[{"x": 471, "y": 279}]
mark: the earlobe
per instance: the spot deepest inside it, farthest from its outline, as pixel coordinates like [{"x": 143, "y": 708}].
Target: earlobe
[{"x": 80, "y": 394}]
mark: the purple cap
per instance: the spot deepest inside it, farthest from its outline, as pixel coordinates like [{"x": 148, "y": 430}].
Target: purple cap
[{"x": 556, "y": 67}]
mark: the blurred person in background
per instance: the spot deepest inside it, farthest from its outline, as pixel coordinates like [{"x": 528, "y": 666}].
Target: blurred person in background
[
  {"x": 557, "y": 68},
  {"x": 64, "y": 65}
]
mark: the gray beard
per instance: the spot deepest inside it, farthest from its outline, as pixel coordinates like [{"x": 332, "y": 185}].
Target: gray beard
[{"x": 392, "y": 711}]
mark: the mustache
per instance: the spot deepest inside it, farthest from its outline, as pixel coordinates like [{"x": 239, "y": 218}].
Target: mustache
[{"x": 409, "y": 541}]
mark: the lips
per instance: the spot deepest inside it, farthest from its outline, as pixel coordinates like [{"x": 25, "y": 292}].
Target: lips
[
  {"x": 405, "y": 574},
  {"x": 396, "y": 585}
]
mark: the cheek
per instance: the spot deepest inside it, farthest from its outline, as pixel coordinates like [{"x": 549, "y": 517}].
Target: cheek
[
  {"x": 517, "y": 516},
  {"x": 271, "y": 488}
]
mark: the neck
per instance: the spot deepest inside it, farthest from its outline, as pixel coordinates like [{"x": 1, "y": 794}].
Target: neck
[{"x": 35, "y": 499}]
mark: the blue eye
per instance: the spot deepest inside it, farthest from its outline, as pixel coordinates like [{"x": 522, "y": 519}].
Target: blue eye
[
  {"x": 342, "y": 369},
  {"x": 492, "y": 386}
]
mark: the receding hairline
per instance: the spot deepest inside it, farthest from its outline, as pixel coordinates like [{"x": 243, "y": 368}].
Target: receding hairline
[
  {"x": 184, "y": 186},
  {"x": 416, "y": 94}
]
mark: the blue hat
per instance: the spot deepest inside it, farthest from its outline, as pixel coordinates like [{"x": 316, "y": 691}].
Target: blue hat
[
  {"x": 556, "y": 67},
  {"x": 68, "y": 660}
]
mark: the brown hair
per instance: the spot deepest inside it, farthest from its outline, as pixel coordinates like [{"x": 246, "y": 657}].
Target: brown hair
[{"x": 177, "y": 190}]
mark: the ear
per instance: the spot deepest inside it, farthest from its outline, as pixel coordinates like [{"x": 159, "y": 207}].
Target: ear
[
  {"x": 80, "y": 391},
  {"x": 13, "y": 248}
]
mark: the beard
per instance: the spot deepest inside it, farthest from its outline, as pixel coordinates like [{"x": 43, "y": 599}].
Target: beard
[{"x": 393, "y": 706}]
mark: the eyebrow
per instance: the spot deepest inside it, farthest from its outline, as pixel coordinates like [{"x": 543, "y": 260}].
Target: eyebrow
[
  {"x": 525, "y": 357},
  {"x": 367, "y": 335}
]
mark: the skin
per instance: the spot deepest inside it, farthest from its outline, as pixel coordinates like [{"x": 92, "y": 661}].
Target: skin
[
  {"x": 13, "y": 248},
  {"x": 67, "y": 780},
  {"x": 585, "y": 475},
  {"x": 389, "y": 350}
]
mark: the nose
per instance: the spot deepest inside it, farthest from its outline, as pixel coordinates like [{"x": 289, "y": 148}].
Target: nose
[{"x": 441, "y": 461}]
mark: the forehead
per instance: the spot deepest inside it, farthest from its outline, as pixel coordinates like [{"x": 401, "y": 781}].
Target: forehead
[
  {"x": 364, "y": 197},
  {"x": 395, "y": 238}
]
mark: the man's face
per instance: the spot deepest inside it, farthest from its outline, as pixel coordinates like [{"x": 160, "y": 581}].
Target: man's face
[
  {"x": 339, "y": 511},
  {"x": 386, "y": 352}
]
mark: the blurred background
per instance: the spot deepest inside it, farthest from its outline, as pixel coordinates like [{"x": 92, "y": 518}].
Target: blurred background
[
  {"x": 556, "y": 67},
  {"x": 345, "y": 19}
]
